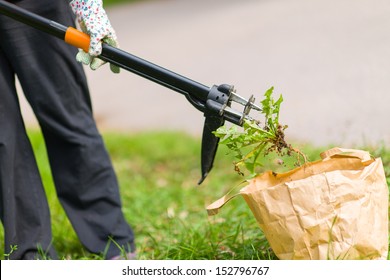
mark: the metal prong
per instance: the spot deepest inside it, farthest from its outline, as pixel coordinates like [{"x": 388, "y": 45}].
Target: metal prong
[
  {"x": 241, "y": 100},
  {"x": 237, "y": 117}
]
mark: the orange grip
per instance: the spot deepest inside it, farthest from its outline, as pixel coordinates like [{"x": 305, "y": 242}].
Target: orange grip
[{"x": 77, "y": 38}]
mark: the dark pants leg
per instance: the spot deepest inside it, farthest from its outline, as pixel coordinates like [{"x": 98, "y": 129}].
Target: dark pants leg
[
  {"x": 56, "y": 88},
  {"x": 23, "y": 207}
]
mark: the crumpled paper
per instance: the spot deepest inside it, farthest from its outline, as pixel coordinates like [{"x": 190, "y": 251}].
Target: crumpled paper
[{"x": 334, "y": 208}]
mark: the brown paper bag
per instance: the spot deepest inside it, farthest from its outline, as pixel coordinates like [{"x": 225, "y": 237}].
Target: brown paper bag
[{"x": 334, "y": 208}]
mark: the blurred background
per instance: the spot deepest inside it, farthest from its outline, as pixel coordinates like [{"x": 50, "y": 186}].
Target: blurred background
[{"x": 329, "y": 58}]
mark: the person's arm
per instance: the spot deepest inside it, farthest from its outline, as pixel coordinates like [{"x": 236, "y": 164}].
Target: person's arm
[{"x": 94, "y": 21}]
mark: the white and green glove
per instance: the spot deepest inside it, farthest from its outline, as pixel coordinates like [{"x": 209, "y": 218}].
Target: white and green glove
[{"x": 93, "y": 21}]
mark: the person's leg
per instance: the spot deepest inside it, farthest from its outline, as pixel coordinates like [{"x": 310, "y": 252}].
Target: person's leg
[
  {"x": 55, "y": 86},
  {"x": 23, "y": 207}
]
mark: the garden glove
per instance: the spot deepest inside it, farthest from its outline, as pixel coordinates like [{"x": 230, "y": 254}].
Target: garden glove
[{"x": 93, "y": 21}]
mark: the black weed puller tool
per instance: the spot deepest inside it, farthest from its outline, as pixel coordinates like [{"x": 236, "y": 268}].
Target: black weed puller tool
[{"x": 214, "y": 102}]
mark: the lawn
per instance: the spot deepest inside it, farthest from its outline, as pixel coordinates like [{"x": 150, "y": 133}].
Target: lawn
[{"x": 158, "y": 174}]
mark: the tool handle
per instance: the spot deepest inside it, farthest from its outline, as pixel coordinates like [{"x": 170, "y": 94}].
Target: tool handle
[{"x": 195, "y": 92}]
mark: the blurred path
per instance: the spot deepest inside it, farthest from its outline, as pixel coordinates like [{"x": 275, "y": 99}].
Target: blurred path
[{"x": 329, "y": 58}]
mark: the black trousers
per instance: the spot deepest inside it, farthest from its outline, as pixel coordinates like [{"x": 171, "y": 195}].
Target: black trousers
[{"x": 56, "y": 88}]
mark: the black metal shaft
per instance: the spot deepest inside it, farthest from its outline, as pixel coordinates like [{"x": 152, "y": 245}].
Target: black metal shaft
[
  {"x": 31, "y": 19},
  {"x": 195, "y": 92}
]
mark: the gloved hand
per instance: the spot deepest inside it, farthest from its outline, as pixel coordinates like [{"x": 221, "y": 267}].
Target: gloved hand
[{"x": 93, "y": 20}]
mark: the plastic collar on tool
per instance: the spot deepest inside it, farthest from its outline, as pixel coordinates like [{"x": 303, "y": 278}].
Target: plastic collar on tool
[{"x": 77, "y": 38}]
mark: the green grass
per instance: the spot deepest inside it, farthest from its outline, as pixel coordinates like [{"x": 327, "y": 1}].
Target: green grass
[{"x": 158, "y": 174}]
